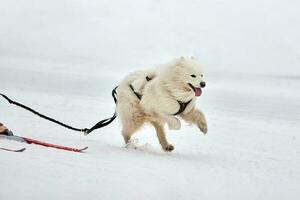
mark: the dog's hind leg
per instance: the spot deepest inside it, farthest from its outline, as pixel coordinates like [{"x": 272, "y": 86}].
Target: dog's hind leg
[
  {"x": 128, "y": 130},
  {"x": 129, "y": 114},
  {"x": 131, "y": 123},
  {"x": 162, "y": 136}
]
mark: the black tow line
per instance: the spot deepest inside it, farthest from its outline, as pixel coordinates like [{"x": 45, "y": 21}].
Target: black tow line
[{"x": 86, "y": 131}]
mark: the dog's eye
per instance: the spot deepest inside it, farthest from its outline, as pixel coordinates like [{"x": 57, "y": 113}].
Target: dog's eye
[{"x": 193, "y": 75}]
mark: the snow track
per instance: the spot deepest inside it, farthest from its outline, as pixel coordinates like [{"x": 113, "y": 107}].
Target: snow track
[{"x": 251, "y": 151}]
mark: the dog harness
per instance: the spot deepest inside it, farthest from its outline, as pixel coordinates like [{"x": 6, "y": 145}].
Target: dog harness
[{"x": 182, "y": 105}]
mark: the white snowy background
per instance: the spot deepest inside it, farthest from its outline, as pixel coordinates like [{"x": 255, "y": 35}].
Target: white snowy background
[{"x": 63, "y": 57}]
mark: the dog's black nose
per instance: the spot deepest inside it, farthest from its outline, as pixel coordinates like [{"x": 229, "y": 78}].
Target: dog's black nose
[{"x": 202, "y": 84}]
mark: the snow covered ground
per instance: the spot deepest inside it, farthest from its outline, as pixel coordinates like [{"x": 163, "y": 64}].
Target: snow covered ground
[{"x": 63, "y": 58}]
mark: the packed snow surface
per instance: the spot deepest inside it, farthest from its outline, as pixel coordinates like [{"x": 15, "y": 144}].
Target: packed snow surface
[{"x": 64, "y": 57}]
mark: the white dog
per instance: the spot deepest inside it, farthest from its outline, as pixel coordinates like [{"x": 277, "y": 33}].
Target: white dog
[{"x": 159, "y": 97}]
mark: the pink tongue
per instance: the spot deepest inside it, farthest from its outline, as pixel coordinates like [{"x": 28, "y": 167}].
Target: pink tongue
[{"x": 198, "y": 92}]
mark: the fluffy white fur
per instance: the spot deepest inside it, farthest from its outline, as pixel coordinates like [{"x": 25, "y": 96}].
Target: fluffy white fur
[{"x": 169, "y": 84}]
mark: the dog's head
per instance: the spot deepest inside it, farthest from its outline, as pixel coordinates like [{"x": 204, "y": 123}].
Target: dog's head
[{"x": 184, "y": 78}]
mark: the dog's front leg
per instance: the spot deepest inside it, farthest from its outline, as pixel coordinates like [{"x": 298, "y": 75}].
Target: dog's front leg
[
  {"x": 159, "y": 127},
  {"x": 173, "y": 122},
  {"x": 196, "y": 117}
]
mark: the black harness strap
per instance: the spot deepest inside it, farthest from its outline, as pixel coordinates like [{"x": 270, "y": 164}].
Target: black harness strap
[
  {"x": 148, "y": 78},
  {"x": 138, "y": 95},
  {"x": 182, "y": 107},
  {"x": 86, "y": 131}
]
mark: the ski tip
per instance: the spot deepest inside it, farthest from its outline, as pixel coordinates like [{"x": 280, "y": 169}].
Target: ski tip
[
  {"x": 85, "y": 148},
  {"x": 21, "y": 150},
  {"x": 13, "y": 150}
]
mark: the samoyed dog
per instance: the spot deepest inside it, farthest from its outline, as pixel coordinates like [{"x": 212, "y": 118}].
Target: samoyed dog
[{"x": 161, "y": 96}]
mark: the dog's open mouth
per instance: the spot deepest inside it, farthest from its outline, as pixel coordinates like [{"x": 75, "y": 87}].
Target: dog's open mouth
[{"x": 197, "y": 90}]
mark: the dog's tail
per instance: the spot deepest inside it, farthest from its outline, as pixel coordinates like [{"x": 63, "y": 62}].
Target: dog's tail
[{"x": 86, "y": 131}]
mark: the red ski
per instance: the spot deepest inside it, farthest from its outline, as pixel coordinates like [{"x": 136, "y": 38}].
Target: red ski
[
  {"x": 13, "y": 150},
  {"x": 45, "y": 144}
]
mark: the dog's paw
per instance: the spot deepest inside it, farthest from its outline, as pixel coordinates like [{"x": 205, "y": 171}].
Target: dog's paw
[
  {"x": 174, "y": 123},
  {"x": 203, "y": 126},
  {"x": 169, "y": 148},
  {"x": 132, "y": 143}
]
